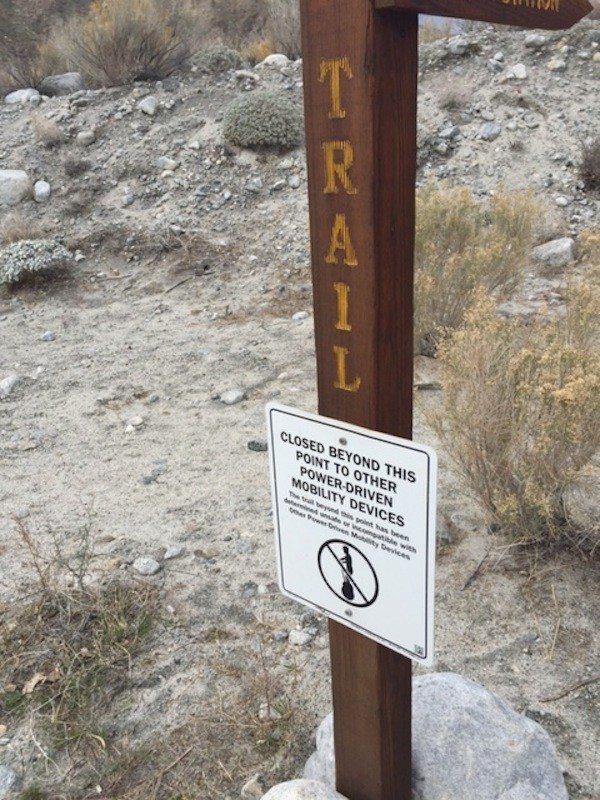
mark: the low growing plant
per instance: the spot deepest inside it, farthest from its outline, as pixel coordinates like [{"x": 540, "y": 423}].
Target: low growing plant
[
  {"x": 589, "y": 169},
  {"x": 219, "y": 58},
  {"x": 461, "y": 247},
  {"x": 262, "y": 120},
  {"x": 520, "y": 413}
]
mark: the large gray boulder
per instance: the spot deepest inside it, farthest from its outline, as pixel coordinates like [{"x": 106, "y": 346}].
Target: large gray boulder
[
  {"x": 15, "y": 186},
  {"x": 62, "y": 85},
  {"x": 9, "y": 782},
  {"x": 468, "y": 743},
  {"x": 557, "y": 253},
  {"x": 302, "y": 790}
]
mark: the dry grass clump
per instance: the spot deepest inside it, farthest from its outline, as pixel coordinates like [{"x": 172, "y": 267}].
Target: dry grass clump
[
  {"x": 430, "y": 31},
  {"x": 67, "y": 652},
  {"x": 46, "y": 131},
  {"x": 520, "y": 414},
  {"x": 255, "y": 727},
  {"x": 589, "y": 169},
  {"x": 120, "y": 41},
  {"x": 460, "y": 247},
  {"x": 284, "y": 27},
  {"x": 238, "y": 22},
  {"x": 15, "y": 228}
]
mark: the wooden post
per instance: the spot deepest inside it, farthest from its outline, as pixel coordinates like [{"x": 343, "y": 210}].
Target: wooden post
[{"x": 360, "y": 82}]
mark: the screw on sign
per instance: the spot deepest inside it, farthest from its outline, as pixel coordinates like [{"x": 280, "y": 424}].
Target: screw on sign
[{"x": 360, "y": 79}]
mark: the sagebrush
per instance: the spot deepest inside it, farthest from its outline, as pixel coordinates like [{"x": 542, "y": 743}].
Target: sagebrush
[
  {"x": 520, "y": 414},
  {"x": 120, "y": 41},
  {"x": 589, "y": 168},
  {"x": 264, "y": 120},
  {"x": 462, "y": 246}
]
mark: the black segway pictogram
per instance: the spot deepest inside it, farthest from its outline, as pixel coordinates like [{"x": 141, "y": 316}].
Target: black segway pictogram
[{"x": 348, "y": 573}]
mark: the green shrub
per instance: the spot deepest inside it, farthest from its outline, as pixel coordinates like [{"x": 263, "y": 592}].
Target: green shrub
[
  {"x": 30, "y": 257},
  {"x": 219, "y": 59},
  {"x": 462, "y": 246},
  {"x": 520, "y": 414},
  {"x": 264, "y": 120}
]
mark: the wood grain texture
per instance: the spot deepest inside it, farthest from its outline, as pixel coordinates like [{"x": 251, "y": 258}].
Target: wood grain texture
[
  {"x": 547, "y": 14},
  {"x": 371, "y": 684}
]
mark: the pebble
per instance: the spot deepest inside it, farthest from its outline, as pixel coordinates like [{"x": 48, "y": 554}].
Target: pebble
[
  {"x": 535, "y": 41},
  {"x": 562, "y": 202},
  {"x": 294, "y": 182},
  {"x": 167, "y": 164},
  {"x": 149, "y": 105},
  {"x": 258, "y": 445},
  {"x": 48, "y": 336},
  {"x": 254, "y": 185},
  {"x": 146, "y": 566},
  {"x": 174, "y": 551},
  {"x": 490, "y": 131},
  {"x": 557, "y": 65},
  {"x": 300, "y": 315},
  {"x": 457, "y": 46},
  {"x": 520, "y": 72},
  {"x": 41, "y": 191},
  {"x": 135, "y": 422},
  {"x": 232, "y": 397},
  {"x": 86, "y": 138},
  {"x": 299, "y": 638},
  {"x": 7, "y": 385}
]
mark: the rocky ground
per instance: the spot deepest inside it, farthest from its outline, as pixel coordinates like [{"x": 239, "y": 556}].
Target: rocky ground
[{"x": 142, "y": 370}]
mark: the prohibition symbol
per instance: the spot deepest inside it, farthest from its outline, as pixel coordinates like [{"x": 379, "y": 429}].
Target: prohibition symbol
[{"x": 348, "y": 573}]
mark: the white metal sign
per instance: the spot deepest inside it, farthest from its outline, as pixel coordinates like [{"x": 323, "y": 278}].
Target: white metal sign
[{"x": 355, "y": 526}]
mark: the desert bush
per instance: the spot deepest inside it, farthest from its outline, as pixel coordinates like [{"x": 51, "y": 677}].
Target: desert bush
[
  {"x": 462, "y": 246},
  {"x": 236, "y": 22},
  {"x": 589, "y": 168},
  {"x": 219, "y": 58},
  {"x": 15, "y": 228},
  {"x": 283, "y": 27},
  {"x": 46, "y": 131},
  {"x": 70, "y": 646},
  {"x": 26, "y": 258},
  {"x": 520, "y": 413},
  {"x": 264, "y": 120},
  {"x": 257, "y": 50},
  {"x": 430, "y": 31},
  {"x": 120, "y": 41}
]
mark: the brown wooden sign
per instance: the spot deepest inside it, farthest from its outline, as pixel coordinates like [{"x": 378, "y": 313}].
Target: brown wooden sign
[
  {"x": 550, "y": 14},
  {"x": 360, "y": 86}
]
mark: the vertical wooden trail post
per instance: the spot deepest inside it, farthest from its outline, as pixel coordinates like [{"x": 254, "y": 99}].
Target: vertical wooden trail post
[{"x": 360, "y": 84}]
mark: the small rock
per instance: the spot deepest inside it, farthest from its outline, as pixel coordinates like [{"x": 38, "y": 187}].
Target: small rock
[
  {"x": 299, "y": 638},
  {"x": 135, "y": 422},
  {"x": 167, "y": 164},
  {"x": 294, "y": 182},
  {"x": 557, "y": 253},
  {"x": 21, "y": 96},
  {"x": 232, "y": 397},
  {"x": 86, "y": 138},
  {"x": 450, "y": 132},
  {"x": 490, "y": 131},
  {"x": 254, "y": 185},
  {"x": 267, "y": 712},
  {"x": 562, "y": 201},
  {"x": 128, "y": 198},
  {"x": 535, "y": 41},
  {"x": 42, "y": 191},
  {"x": 15, "y": 186},
  {"x": 174, "y": 551},
  {"x": 275, "y": 60},
  {"x": 302, "y": 790},
  {"x": 557, "y": 65},
  {"x": 9, "y": 781},
  {"x": 457, "y": 46},
  {"x": 62, "y": 85},
  {"x": 48, "y": 336},
  {"x": 300, "y": 315},
  {"x": 7, "y": 385},
  {"x": 520, "y": 72},
  {"x": 146, "y": 566},
  {"x": 149, "y": 105},
  {"x": 258, "y": 445}
]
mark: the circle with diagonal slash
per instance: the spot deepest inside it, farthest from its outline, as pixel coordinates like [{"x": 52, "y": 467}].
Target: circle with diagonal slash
[{"x": 348, "y": 573}]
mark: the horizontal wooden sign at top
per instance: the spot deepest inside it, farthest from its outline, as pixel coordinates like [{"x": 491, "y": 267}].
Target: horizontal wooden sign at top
[{"x": 549, "y": 14}]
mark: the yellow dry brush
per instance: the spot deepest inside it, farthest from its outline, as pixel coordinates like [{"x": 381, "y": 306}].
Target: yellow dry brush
[{"x": 520, "y": 414}]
